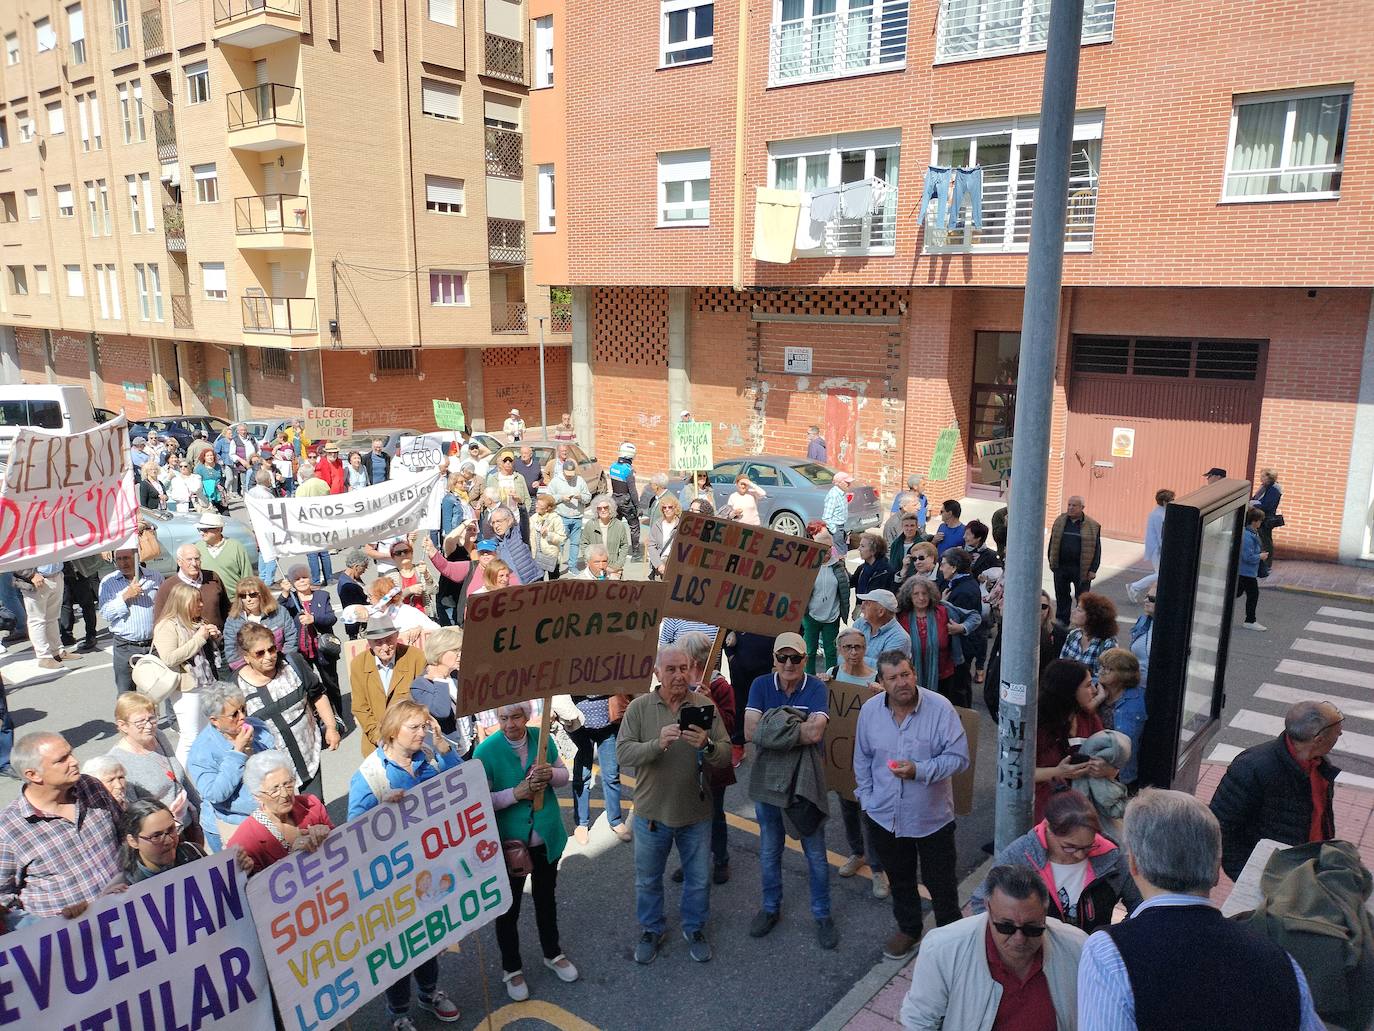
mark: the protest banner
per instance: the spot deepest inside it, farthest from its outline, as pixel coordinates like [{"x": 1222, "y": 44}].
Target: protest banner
[
  {"x": 299, "y": 526},
  {"x": 558, "y": 637},
  {"x": 943, "y": 453},
  {"x": 845, "y": 702},
  {"x": 448, "y": 415},
  {"x": 385, "y": 892},
  {"x": 691, "y": 446},
  {"x": 994, "y": 456},
  {"x": 175, "y": 951},
  {"x": 328, "y": 423},
  {"x": 420, "y": 454},
  {"x": 66, "y": 495},
  {"x": 738, "y": 576}
]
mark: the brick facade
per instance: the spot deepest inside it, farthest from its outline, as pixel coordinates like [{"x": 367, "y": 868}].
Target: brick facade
[{"x": 380, "y": 400}]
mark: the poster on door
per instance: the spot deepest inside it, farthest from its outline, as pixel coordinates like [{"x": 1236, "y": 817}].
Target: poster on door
[{"x": 1123, "y": 442}]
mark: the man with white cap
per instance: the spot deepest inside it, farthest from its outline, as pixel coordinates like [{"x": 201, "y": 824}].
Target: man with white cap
[
  {"x": 138, "y": 453},
  {"x": 514, "y": 426},
  {"x": 225, "y": 558},
  {"x": 626, "y": 493},
  {"x": 878, "y": 623},
  {"x": 835, "y": 514}
]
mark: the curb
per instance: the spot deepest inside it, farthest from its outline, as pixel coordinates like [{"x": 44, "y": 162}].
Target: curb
[
  {"x": 1322, "y": 593},
  {"x": 873, "y": 982}
]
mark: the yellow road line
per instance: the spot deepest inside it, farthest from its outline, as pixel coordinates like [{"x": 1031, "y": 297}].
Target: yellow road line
[{"x": 533, "y": 1009}]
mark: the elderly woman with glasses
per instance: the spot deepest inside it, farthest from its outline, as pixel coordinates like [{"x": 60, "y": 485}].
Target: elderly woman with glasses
[
  {"x": 352, "y": 593},
  {"x": 150, "y": 765},
  {"x": 283, "y": 821},
  {"x": 255, "y": 603},
  {"x": 217, "y": 759},
  {"x": 611, "y": 532},
  {"x": 184, "y": 488},
  {"x": 1084, "y": 872}
]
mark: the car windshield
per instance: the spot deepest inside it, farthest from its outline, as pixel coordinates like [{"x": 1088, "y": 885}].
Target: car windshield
[
  {"x": 257, "y": 429},
  {"x": 820, "y": 475}
]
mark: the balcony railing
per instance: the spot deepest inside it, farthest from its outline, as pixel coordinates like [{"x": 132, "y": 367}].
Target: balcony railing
[
  {"x": 873, "y": 234},
  {"x": 165, "y": 133},
  {"x": 181, "y": 312},
  {"x": 231, "y": 10},
  {"x": 154, "y": 36},
  {"x": 505, "y": 241},
  {"x": 270, "y": 103},
  {"x": 510, "y": 317},
  {"x": 272, "y": 213},
  {"x": 174, "y": 227},
  {"x": 505, "y": 58},
  {"x": 560, "y": 317},
  {"x": 973, "y": 30},
  {"x": 505, "y": 153},
  {"x": 831, "y": 46},
  {"x": 283, "y": 316}
]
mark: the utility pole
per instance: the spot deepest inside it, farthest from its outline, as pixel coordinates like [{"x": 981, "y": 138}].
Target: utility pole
[
  {"x": 1016, "y": 730},
  {"x": 543, "y": 397}
]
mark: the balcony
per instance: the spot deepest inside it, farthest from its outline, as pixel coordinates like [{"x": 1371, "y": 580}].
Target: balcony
[
  {"x": 174, "y": 228},
  {"x": 181, "y": 312},
  {"x": 274, "y": 222},
  {"x": 505, "y": 241},
  {"x": 833, "y": 46},
  {"x": 510, "y": 317},
  {"x": 505, "y": 153},
  {"x": 266, "y": 117},
  {"x": 505, "y": 58},
  {"x": 154, "y": 33},
  {"x": 265, "y": 318},
  {"x": 256, "y": 23},
  {"x": 165, "y": 134},
  {"x": 560, "y": 317},
  {"x": 975, "y": 31}
]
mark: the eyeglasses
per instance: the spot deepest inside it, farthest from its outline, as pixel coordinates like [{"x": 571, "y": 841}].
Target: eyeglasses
[
  {"x": 1340, "y": 718},
  {"x": 280, "y": 791},
  {"x": 233, "y": 714},
  {"x": 1044, "y": 606},
  {"x": 859, "y": 645},
  {"x": 145, "y": 722},
  {"x": 787, "y": 658},
  {"x": 245, "y": 597},
  {"x": 1074, "y": 850},
  {"x": 271, "y": 649},
  {"x": 160, "y": 837},
  {"x": 1007, "y": 928},
  {"x": 413, "y": 727}
]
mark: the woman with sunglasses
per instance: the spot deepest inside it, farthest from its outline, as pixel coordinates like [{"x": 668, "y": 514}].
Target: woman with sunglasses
[
  {"x": 414, "y": 581},
  {"x": 151, "y": 768},
  {"x": 283, "y": 821},
  {"x": 611, "y": 532},
  {"x": 698, "y": 485},
  {"x": 184, "y": 488},
  {"x": 1084, "y": 872},
  {"x": 211, "y": 479},
  {"x": 255, "y": 603},
  {"x": 151, "y": 843}
]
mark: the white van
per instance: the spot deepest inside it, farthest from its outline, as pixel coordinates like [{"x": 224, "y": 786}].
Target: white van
[{"x": 42, "y": 406}]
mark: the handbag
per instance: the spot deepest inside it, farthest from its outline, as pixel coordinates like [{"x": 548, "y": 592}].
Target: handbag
[
  {"x": 1274, "y": 521},
  {"x": 519, "y": 863},
  {"x": 330, "y": 647},
  {"x": 153, "y": 678}
]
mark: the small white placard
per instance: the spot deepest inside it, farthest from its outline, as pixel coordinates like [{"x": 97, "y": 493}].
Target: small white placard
[
  {"x": 1013, "y": 694},
  {"x": 796, "y": 360}
]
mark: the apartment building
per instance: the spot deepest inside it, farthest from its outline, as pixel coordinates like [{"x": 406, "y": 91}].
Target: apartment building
[
  {"x": 1217, "y": 268},
  {"x": 244, "y": 207}
]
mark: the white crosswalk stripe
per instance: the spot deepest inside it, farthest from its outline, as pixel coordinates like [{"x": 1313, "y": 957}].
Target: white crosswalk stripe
[
  {"x": 1337, "y": 630},
  {"x": 1350, "y": 742},
  {"x": 1359, "y": 615},
  {"x": 1334, "y": 674},
  {"x": 1334, "y": 651}
]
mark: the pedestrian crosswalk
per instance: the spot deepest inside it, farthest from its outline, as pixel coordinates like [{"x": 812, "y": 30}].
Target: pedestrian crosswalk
[{"x": 1332, "y": 660}]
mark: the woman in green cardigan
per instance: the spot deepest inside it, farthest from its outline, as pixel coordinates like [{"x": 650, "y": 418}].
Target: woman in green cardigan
[{"x": 508, "y": 758}]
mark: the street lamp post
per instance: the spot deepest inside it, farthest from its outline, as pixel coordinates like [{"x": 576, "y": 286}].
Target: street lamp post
[{"x": 543, "y": 397}]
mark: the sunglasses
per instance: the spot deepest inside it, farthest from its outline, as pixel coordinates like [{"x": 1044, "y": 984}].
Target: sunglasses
[
  {"x": 245, "y": 597},
  {"x": 1044, "y": 606},
  {"x": 787, "y": 658},
  {"x": 271, "y": 649},
  {"x": 1007, "y": 928},
  {"x": 233, "y": 714},
  {"x": 402, "y": 551}
]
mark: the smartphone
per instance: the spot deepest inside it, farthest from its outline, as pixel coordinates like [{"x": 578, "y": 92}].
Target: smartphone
[{"x": 696, "y": 716}]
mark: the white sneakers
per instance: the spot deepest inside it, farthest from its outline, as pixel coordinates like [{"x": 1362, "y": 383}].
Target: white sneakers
[
  {"x": 562, "y": 966},
  {"x": 516, "y": 987},
  {"x": 519, "y": 990},
  {"x": 1253, "y": 626}
]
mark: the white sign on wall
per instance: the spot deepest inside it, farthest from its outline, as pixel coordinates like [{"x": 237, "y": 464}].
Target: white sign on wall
[{"x": 796, "y": 360}]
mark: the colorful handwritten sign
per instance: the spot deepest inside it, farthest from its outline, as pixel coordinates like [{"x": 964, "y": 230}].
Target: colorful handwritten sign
[
  {"x": 175, "y": 951},
  {"x": 558, "y": 637},
  {"x": 386, "y": 891},
  {"x": 995, "y": 457},
  {"x": 691, "y": 448},
  {"x": 448, "y": 415},
  {"x": 299, "y": 526},
  {"x": 328, "y": 423},
  {"x": 743, "y": 577},
  {"x": 66, "y": 495}
]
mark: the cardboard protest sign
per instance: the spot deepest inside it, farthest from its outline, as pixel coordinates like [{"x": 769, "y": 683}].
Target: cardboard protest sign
[
  {"x": 299, "y": 526},
  {"x": 419, "y": 455},
  {"x": 845, "y": 702},
  {"x": 385, "y": 892},
  {"x": 743, "y": 577},
  {"x": 963, "y": 780},
  {"x": 943, "y": 453},
  {"x": 175, "y": 951},
  {"x": 558, "y": 637},
  {"x": 328, "y": 423},
  {"x": 448, "y": 415},
  {"x": 995, "y": 457},
  {"x": 67, "y": 495},
  {"x": 691, "y": 446}
]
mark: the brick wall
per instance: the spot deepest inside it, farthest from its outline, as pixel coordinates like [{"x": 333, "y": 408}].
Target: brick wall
[
  {"x": 126, "y": 369},
  {"x": 269, "y": 395},
  {"x": 510, "y": 379},
  {"x": 629, "y": 345},
  {"x": 390, "y": 400}
]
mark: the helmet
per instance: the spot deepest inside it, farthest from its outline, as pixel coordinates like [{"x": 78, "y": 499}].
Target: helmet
[{"x": 627, "y": 450}]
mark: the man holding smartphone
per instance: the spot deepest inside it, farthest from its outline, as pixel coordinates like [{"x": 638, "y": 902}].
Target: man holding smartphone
[{"x": 126, "y": 603}]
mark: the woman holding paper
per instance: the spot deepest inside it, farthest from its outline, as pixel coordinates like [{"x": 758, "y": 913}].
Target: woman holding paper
[{"x": 283, "y": 821}]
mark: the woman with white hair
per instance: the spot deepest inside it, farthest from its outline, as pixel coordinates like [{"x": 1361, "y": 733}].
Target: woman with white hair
[
  {"x": 217, "y": 758},
  {"x": 185, "y": 491},
  {"x": 110, "y": 772},
  {"x": 282, "y": 821},
  {"x": 610, "y": 531}
]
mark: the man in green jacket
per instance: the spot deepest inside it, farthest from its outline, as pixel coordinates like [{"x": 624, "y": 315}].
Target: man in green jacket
[{"x": 225, "y": 558}]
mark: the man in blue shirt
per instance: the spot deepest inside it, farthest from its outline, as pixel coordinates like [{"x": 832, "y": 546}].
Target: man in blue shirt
[
  {"x": 378, "y": 462},
  {"x": 878, "y": 623},
  {"x": 125, "y": 602},
  {"x": 951, "y": 531},
  {"x": 788, "y": 685},
  {"x": 908, "y": 744}
]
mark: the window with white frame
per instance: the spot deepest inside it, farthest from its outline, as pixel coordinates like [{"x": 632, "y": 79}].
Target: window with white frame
[
  {"x": 207, "y": 183},
  {"x": 543, "y": 51},
  {"x": 862, "y": 160},
  {"x": 25, "y": 126},
  {"x": 42, "y": 282},
  {"x": 103, "y": 189},
  {"x": 686, "y": 32},
  {"x": 135, "y": 204},
  {"x": 35, "y": 210},
  {"x": 544, "y": 189},
  {"x": 150, "y": 210},
  {"x": 4, "y": 132},
  {"x": 131, "y": 111},
  {"x": 197, "y": 82},
  {"x": 88, "y": 117},
  {"x": 1287, "y": 146},
  {"x": 66, "y": 203},
  {"x": 92, "y": 206},
  {"x": 120, "y": 21},
  {"x": 76, "y": 33},
  {"x": 971, "y": 29},
  {"x": 19, "y": 280},
  {"x": 112, "y": 279},
  {"x": 45, "y": 36},
  {"x": 443, "y": 194},
  {"x": 440, "y": 99},
  {"x": 149, "y": 284},
  {"x": 76, "y": 284},
  {"x": 9, "y": 207},
  {"x": 827, "y": 39},
  {"x": 447, "y": 289},
  {"x": 102, "y": 291},
  {"x": 445, "y": 12},
  {"x": 57, "y": 119},
  {"x": 11, "y": 48},
  {"x": 1005, "y": 152},
  {"x": 684, "y": 188},
  {"x": 214, "y": 281}
]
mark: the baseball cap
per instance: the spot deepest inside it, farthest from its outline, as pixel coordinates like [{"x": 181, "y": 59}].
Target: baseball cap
[
  {"x": 886, "y": 599},
  {"x": 843, "y": 478},
  {"x": 487, "y": 545},
  {"x": 790, "y": 640}
]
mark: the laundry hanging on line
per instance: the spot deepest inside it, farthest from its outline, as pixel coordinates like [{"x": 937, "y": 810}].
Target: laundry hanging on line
[
  {"x": 776, "y": 217},
  {"x": 967, "y": 187},
  {"x": 848, "y": 200}
]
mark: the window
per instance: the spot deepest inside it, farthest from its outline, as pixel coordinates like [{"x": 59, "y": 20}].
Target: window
[
  {"x": 11, "y": 48},
  {"x": 135, "y": 205},
  {"x": 102, "y": 292},
  {"x": 1171, "y": 357},
  {"x": 443, "y": 194},
  {"x": 131, "y": 111},
  {"x": 447, "y": 289},
  {"x": 57, "y": 121},
  {"x": 995, "y": 357},
  {"x": 104, "y": 190},
  {"x": 827, "y": 39},
  {"x": 684, "y": 188},
  {"x": 149, "y": 284},
  {"x": 971, "y": 29},
  {"x": 88, "y": 117},
  {"x": 686, "y": 32},
  {"x": 4, "y": 133},
  {"x": 35, "y": 209},
  {"x": 445, "y": 12},
  {"x": 1006, "y": 151},
  {"x": 197, "y": 82},
  {"x": 149, "y": 208},
  {"x": 207, "y": 183},
  {"x": 276, "y": 364},
  {"x": 501, "y": 112},
  {"x": 120, "y": 18},
  {"x": 543, "y": 51},
  {"x": 76, "y": 33},
  {"x": 1287, "y": 147},
  {"x": 441, "y": 99},
  {"x": 42, "y": 282},
  {"x": 25, "y": 126},
  {"x": 545, "y": 191},
  {"x": 45, "y": 35},
  {"x": 831, "y": 161},
  {"x": 66, "y": 206},
  {"x": 394, "y": 362},
  {"x": 19, "y": 281},
  {"x": 92, "y": 207},
  {"x": 76, "y": 286},
  {"x": 214, "y": 281},
  {"x": 9, "y": 207}
]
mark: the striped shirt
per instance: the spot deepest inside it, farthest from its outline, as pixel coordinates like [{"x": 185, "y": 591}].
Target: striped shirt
[
  {"x": 129, "y": 620},
  {"x": 48, "y": 862},
  {"x": 671, "y": 630}
]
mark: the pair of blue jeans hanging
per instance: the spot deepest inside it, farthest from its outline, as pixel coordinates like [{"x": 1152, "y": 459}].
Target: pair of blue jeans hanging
[
  {"x": 968, "y": 185},
  {"x": 937, "y": 186}
]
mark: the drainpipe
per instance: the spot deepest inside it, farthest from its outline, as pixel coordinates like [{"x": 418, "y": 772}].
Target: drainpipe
[{"x": 741, "y": 85}]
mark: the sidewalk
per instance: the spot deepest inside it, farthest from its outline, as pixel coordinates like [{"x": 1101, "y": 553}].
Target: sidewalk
[{"x": 875, "y": 1002}]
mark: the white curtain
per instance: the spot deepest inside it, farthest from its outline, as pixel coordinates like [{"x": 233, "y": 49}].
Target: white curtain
[
  {"x": 1316, "y": 141},
  {"x": 1258, "y": 146}
]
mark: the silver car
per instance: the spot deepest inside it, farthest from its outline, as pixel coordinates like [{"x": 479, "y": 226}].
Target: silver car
[
  {"x": 796, "y": 489},
  {"x": 177, "y": 528}
]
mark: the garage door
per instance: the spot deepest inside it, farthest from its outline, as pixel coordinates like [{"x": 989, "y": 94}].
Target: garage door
[{"x": 1151, "y": 413}]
